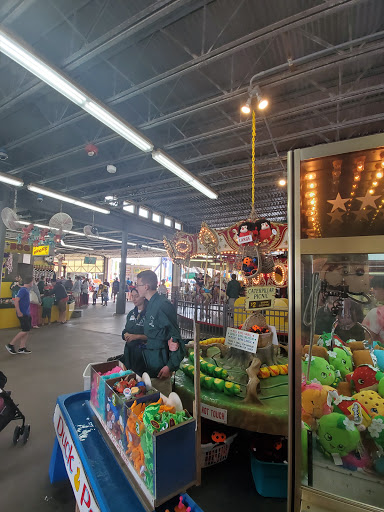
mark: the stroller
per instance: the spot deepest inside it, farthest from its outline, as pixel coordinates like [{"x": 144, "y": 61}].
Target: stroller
[{"x": 10, "y": 411}]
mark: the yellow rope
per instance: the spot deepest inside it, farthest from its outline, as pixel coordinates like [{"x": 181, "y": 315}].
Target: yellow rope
[{"x": 253, "y": 157}]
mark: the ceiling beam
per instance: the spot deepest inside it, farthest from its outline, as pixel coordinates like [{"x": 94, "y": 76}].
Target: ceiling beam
[
  {"x": 116, "y": 220},
  {"x": 327, "y": 7},
  {"x": 140, "y": 26}
]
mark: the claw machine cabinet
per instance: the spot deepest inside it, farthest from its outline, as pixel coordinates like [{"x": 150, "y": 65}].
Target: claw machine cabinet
[{"x": 336, "y": 229}]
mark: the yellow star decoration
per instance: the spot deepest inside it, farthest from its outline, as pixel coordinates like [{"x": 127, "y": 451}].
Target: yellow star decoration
[
  {"x": 338, "y": 203},
  {"x": 336, "y": 216},
  {"x": 368, "y": 200}
]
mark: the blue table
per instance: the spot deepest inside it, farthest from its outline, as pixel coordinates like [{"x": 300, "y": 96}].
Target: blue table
[{"x": 110, "y": 487}]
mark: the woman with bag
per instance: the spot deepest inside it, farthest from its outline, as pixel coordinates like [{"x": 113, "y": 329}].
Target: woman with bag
[{"x": 35, "y": 301}]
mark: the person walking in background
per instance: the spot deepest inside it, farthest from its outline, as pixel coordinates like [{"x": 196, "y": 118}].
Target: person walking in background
[
  {"x": 22, "y": 306},
  {"x": 61, "y": 299},
  {"x": 94, "y": 295},
  {"x": 47, "y": 302},
  {"x": 104, "y": 295},
  {"x": 233, "y": 292},
  {"x": 68, "y": 284},
  {"x": 35, "y": 301},
  {"x": 162, "y": 290},
  {"x": 115, "y": 288},
  {"x": 41, "y": 286},
  {"x": 15, "y": 286},
  {"x": 85, "y": 292},
  {"x": 76, "y": 291}
]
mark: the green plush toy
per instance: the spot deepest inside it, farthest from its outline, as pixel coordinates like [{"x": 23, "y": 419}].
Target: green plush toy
[
  {"x": 337, "y": 434},
  {"x": 341, "y": 360},
  {"x": 376, "y": 430},
  {"x": 381, "y": 388},
  {"x": 321, "y": 372}
]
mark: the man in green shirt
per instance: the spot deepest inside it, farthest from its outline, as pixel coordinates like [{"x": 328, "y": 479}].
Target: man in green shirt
[
  {"x": 164, "y": 349},
  {"x": 233, "y": 292}
]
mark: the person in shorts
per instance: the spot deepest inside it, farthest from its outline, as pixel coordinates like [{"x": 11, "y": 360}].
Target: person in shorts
[
  {"x": 23, "y": 312},
  {"x": 47, "y": 303},
  {"x": 61, "y": 299}
]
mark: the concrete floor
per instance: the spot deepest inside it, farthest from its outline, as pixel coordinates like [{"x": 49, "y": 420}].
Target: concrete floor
[{"x": 59, "y": 356}]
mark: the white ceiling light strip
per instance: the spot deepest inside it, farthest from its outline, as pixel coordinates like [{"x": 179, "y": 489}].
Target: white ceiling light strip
[
  {"x": 68, "y": 199},
  {"x": 10, "y": 180},
  {"x": 173, "y": 166},
  {"x": 18, "y": 52},
  {"x": 76, "y": 247}
]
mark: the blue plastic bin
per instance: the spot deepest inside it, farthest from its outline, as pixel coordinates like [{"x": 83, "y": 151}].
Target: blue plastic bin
[{"x": 271, "y": 478}]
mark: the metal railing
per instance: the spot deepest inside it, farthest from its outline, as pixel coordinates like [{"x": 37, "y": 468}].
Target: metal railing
[{"x": 215, "y": 318}]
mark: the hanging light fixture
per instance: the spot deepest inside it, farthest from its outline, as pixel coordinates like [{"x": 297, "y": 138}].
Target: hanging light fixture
[{"x": 262, "y": 101}]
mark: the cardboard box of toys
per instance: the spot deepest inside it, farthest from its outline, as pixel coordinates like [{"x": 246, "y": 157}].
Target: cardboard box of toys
[{"x": 120, "y": 393}]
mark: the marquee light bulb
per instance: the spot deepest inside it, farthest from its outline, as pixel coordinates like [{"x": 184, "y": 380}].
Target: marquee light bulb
[{"x": 379, "y": 174}]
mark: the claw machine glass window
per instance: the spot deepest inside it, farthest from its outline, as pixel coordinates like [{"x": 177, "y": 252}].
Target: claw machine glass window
[{"x": 337, "y": 345}]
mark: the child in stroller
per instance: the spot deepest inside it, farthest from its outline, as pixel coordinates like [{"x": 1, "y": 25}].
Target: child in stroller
[{"x": 10, "y": 411}]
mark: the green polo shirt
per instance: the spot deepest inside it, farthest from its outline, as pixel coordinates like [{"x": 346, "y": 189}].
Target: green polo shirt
[{"x": 160, "y": 325}]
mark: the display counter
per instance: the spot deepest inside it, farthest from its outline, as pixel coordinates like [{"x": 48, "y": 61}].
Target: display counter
[
  {"x": 83, "y": 453},
  {"x": 270, "y": 416},
  {"x": 9, "y": 320}
]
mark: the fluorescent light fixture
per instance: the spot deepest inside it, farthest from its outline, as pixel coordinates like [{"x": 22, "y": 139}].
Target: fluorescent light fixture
[
  {"x": 38, "y": 67},
  {"x": 173, "y": 166},
  {"x": 19, "y": 52},
  {"x": 143, "y": 212},
  {"x": 76, "y": 246},
  {"x": 168, "y": 222},
  {"x": 120, "y": 127},
  {"x": 68, "y": 199},
  {"x": 178, "y": 226},
  {"x": 10, "y": 180},
  {"x": 156, "y": 217}
]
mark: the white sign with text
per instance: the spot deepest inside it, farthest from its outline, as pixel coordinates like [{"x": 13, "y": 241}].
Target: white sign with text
[
  {"x": 242, "y": 340},
  {"x": 214, "y": 413},
  {"x": 244, "y": 239}
]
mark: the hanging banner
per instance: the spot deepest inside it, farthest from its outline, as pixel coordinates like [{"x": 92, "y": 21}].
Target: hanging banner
[
  {"x": 243, "y": 340},
  {"x": 80, "y": 485},
  {"x": 260, "y": 297}
]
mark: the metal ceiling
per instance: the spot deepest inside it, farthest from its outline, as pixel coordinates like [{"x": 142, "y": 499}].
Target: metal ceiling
[{"x": 179, "y": 70}]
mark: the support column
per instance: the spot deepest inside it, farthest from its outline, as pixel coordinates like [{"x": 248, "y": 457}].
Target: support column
[
  {"x": 4, "y": 202},
  {"x": 176, "y": 278},
  {"x": 121, "y": 300}
]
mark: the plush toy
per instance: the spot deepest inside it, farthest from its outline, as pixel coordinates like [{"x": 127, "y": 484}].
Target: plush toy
[
  {"x": 247, "y": 229},
  {"x": 321, "y": 372},
  {"x": 379, "y": 354},
  {"x": 337, "y": 434},
  {"x": 364, "y": 377},
  {"x": 354, "y": 461},
  {"x": 316, "y": 351},
  {"x": 265, "y": 230},
  {"x": 361, "y": 357},
  {"x": 341, "y": 360},
  {"x": 314, "y": 403},
  {"x": 381, "y": 388},
  {"x": 325, "y": 340},
  {"x": 351, "y": 408},
  {"x": 372, "y": 401},
  {"x": 376, "y": 430},
  {"x": 248, "y": 265}
]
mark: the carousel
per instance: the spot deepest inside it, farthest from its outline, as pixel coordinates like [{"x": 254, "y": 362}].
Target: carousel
[{"x": 242, "y": 377}]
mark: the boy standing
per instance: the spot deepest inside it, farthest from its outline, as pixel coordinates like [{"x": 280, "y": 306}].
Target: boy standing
[
  {"x": 22, "y": 305},
  {"x": 47, "y": 302}
]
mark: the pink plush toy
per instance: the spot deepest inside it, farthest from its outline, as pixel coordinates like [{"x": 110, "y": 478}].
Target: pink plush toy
[{"x": 314, "y": 402}]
